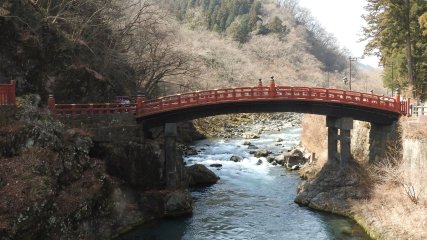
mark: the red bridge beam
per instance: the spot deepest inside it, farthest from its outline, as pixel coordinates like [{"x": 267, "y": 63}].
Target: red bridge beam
[{"x": 8, "y": 93}]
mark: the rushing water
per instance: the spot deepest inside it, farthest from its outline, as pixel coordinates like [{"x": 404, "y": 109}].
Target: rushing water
[{"x": 250, "y": 201}]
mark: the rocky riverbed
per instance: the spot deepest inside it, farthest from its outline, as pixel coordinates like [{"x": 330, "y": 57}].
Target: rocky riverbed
[{"x": 249, "y": 126}]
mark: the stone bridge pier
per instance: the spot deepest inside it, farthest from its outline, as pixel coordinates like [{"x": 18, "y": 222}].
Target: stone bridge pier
[
  {"x": 175, "y": 176},
  {"x": 339, "y": 131}
]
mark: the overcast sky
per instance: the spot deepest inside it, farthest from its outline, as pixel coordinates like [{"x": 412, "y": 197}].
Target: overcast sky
[{"x": 343, "y": 19}]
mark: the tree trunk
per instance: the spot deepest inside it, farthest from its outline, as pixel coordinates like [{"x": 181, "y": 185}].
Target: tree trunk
[{"x": 409, "y": 59}]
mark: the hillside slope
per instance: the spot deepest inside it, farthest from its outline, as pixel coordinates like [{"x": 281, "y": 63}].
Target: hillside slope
[{"x": 224, "y": 62}]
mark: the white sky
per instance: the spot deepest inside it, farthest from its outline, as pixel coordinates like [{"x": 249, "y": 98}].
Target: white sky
[{"x": 343, "y": 19}]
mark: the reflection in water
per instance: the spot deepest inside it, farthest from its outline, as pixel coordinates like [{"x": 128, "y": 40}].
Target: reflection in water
[{"x": 250, "y": 201}]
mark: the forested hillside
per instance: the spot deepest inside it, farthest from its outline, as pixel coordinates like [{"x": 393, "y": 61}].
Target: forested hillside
[
  {"x": 283, "y": 40},
  {"x": 241, "y": 19}
]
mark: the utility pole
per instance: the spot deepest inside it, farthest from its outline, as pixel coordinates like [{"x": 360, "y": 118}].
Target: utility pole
[
  {"x": 328, "y": 80},
  {"x": 351, "y": 59}
]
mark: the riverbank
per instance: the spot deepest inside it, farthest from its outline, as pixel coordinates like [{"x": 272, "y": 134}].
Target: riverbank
[{"x": 387, "y": 198}]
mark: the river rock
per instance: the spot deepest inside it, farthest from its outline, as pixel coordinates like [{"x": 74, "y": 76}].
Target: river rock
[
  {"x": 252, "y": 147},
  {"x": 262, "y": 153},
  {"x": 271, "y": 159},
  {"x": 217, "y": 165},
  {"x": 178, "y": 203},
  {"x": 259, "y": 162},
  {"x": 247, "y": 143},
  {"x": 200, "y": 175},
  {"x": 157, "y": 204},
  {"x": 294, "y": 159},
  {"x": 250, "y": 135},
  {"x": 280, "y": 159},
  {"x": 278, "y": 140},
  {"x": 189, "y": 151},
  {"x": 235, "y": 158}
]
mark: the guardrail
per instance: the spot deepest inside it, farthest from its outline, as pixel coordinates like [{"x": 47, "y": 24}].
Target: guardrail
[
  {"x": 418, "y": 110},
  {"x": 90, "y": 109},
  {"x": 8, "y": 93}
]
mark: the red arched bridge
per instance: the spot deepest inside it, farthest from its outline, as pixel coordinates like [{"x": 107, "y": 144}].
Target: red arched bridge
[{"x": 187, "y": 106}]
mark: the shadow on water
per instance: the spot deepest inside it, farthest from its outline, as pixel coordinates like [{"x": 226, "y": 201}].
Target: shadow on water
[
  {"x": 166, "y": 229},
  {"x": 337, "y": 227}
]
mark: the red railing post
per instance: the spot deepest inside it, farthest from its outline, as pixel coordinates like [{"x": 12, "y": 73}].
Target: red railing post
[
  {"x": 179, "y": 100},
  {"x": 272, "y": 88},
  {"x": 51, "y": 104},
  {"x": 12, "y": 92},
  {"x": 398, "y": 103},
  {"x": 140, "y": 105}
]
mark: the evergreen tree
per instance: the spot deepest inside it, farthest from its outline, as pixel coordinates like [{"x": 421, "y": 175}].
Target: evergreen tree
[
  {"x": 394, "y": 34},
  {"x": 239, "y": 29}
]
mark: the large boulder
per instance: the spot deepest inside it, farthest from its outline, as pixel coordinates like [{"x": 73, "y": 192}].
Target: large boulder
[
  {"x": 157, "y": 204},
  {"x": 262, "y": 153},
  {"x": 200, "y": 175},
  {"x": 189, "y": 151},
  {"x": 250, "y": 135},
  {"x": 280, "y": 159},
  {"x": 294, "y": 159},
  {"x": 235, "y": 158}
]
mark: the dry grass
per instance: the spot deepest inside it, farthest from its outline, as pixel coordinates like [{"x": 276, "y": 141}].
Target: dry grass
[
  {"x": 314, "y": 133},
  {"x": 398, "y": 204},
  {"x": 314, "y": 139}
]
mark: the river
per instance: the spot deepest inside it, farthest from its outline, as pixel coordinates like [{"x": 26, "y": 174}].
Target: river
[{"x": 250, "y": 201}]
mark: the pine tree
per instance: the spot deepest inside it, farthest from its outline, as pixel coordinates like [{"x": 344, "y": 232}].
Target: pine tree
[{"x": 394, "y": 35}]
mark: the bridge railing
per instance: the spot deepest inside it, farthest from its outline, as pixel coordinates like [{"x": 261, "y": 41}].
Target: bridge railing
[
  {"x": 90, "y": 108},
  {"x": 8, "y": 93},
  {"x": 272, "y": 93},
  {"x": 275, "y": 93},
  {"x": 419, "y": 110}
]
